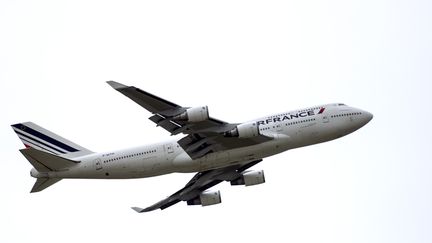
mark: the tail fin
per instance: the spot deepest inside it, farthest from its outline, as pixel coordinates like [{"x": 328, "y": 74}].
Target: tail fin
[
  {"x": 39, "y": 138},
  {"x": 43, "y": 163}
]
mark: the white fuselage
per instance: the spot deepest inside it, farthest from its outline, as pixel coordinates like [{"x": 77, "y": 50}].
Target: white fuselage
[{"x": 289, "y": 130}]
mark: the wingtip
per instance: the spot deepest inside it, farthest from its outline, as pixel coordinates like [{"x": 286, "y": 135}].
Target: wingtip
[
  {"x": 137, "y": 209},
  {"x": 116, "y": 85}
]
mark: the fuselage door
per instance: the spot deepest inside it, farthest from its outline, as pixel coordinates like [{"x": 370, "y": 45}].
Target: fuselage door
[
  {"x": 169, "y": 148},
  {"x": 325, "y": 119},
  {"x": 98, "y": 164},
  {"x": 279, "y": 127}
]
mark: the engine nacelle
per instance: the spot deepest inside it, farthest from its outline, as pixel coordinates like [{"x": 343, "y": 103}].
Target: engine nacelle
[
  {"x": 250, "y": 178},
  {"x": 244, "y": 130},
  {"x": 206, "y": 198},
  {"x": 194, "y": 114}
]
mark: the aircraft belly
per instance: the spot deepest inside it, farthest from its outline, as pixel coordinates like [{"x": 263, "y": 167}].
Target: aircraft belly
[{"x": 184, "y": 163}]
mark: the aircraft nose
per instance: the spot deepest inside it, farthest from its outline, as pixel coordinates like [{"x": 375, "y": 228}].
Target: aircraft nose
[{"x": 369, "y": 116}]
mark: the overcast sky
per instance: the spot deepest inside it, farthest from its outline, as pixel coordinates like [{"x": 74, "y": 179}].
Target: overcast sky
[{"x": 244, "y": 59}]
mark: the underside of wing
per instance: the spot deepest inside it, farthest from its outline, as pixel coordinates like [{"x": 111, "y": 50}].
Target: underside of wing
[{"x": 202, "y": 181}]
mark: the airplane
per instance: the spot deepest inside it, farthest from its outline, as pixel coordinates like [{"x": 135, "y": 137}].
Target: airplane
[{"x": 215, "y": 150}]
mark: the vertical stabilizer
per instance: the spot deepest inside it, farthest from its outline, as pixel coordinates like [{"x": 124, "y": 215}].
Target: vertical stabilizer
[{"x": 39, "y": 138}]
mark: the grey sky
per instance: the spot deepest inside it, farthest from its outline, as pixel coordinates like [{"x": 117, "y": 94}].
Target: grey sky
[{"x": 244, "y": 59}]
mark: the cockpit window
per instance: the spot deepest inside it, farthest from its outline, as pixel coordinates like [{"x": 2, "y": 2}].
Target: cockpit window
[{"x": 340, "y": 104}]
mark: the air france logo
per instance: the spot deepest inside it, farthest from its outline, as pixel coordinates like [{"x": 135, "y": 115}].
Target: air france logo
[{"x": 288, "y": 116}]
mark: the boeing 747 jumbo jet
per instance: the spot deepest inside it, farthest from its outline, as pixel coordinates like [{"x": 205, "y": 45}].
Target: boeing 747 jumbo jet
[{"x": 215, "y": 150}]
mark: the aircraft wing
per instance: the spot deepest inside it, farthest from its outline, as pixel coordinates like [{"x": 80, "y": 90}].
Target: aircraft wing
[
  {"x": 203, "y": 137},
  {"x": 199, "y": 183}
]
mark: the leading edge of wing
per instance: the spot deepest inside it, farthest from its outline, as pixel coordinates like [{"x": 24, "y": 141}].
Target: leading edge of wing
[{"x": 149, "y": 101}]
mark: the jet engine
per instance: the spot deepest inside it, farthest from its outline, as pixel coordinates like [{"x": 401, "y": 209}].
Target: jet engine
[
  {"x": 250, "y": 178},
  {"x": 194, "y": 114},
  {"x": 244, "y": 130},
  {"x": 206, "y": 198}
]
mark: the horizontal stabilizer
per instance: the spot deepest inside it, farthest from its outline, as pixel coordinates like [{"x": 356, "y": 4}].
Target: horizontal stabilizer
[
  {"x": 44, "y": 162},
  {"x": 43, "y": 183}
]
